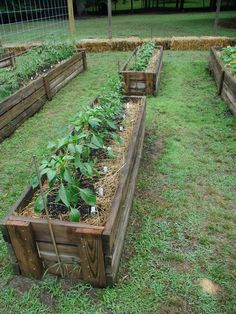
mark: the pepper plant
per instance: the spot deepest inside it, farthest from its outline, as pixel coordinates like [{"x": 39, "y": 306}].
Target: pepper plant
[
  {"x": 71, "y": 171},
  {"x": 228, "y": 55},
  {"x": 143, "y": 56}
]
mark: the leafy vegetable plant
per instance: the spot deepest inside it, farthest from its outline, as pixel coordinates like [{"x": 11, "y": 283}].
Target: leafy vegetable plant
[
  {"x": 228, "y": 55},
  {"x": 71, "y": 172},
  {"x": 31, "y": 64},
  {"x": 143, "y": 56}
]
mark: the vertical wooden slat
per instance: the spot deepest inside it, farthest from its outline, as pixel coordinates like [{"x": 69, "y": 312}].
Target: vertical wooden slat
[
  {"x": 222, "y": 76},
  {"x": 24, "y": 246},
  {"x": 91, "y": 256},
  {"x": 84, "y": 60},
  {"x": 47, "y": 87}
]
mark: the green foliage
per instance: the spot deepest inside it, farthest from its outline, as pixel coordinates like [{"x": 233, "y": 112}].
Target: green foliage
[
  {"x": 228, "y": 55},
  {"x": 79, "y": 152},
  {"x": 143, "y": 56},
  {"x": 31, "y": 64}
]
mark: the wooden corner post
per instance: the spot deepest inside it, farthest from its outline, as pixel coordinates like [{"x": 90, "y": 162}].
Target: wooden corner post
[
  {"x": 91, "y": 256},
  {"x": 24, "y": 246},
  {"x": 71, "y": 16}
]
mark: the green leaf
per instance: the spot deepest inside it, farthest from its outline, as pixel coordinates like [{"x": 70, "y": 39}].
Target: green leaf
[
  {"x": 97, "y": 141},
  {"x": 34, "y": 181},
  {"x": 64, "y": 195},
  {"x": 51, "y": 174},
  {"x": 74, "y": 214},
  {"x": 94, "y": 122},
  {"x": 52, "y": 146},
  {"x": 71, "y": 148},
  {"x": 67, "y": 175},
  {"x": 79, "y": 148},
  {"x": 111, "y": 124},
  {"x": 38, "y": 204},
  {"x": 88, "y": 196}
]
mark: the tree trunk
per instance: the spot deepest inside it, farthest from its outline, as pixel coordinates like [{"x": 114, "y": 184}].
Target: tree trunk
[
  {"x": 181, "y": 5},
  {"x": 132, "y": 6},
  {"x": 218, "y": 5}
]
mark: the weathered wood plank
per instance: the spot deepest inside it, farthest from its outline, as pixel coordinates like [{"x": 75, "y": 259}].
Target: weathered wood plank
[
  {"x": 25, "y": 249},
  {"x": 92, "y": 258},
  {"x": 64, "y": 232},
  {"x": 20, "y": 95},
  {"x": 17, "y": 110},
  {"x": 110, "y": 230},
  {"x": 14, "y": 124}
]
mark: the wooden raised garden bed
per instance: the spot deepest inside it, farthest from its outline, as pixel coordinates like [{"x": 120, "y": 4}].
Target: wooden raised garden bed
[
  {"x": 17, "y": 108},
  {"x": 146, "y": 82},
  {"x": 225, "y": 81},
  {"x": 89, "y": 253},
  {"x": 7, "y": 59}
]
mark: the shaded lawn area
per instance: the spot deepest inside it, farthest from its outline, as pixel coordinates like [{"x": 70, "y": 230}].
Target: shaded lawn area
[
  {"x": 143, "y": 25},
  {"x": 179, "y": 254}
]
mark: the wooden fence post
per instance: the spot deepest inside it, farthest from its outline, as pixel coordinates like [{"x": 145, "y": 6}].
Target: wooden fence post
[{"x": 71, "y": 16}]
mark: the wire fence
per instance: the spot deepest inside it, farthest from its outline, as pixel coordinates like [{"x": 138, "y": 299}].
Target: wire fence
[{"x": 33, "y": 20}]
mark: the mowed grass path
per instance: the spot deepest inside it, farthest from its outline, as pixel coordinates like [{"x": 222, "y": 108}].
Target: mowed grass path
[{"x": 182, "y": 229}]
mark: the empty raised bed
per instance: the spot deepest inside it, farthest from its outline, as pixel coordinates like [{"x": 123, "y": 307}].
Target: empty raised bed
[
  {"x": 224, "y": 75},
  {"x": 25, "y": 102},
  {"x": 87, "y": 250},
  {"x": 141, "y": 72}
]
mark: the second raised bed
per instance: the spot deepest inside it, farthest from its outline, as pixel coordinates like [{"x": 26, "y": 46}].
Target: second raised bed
[
  {"x": 225, "y": 81},
  {"x": 17, "y": 108},
  {"x": 143, "y": 82}
]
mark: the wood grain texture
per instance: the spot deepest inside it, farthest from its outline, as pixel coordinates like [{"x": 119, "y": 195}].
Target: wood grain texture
[
  {"x": 92, "y": 258},
  {"x": 25, "y": 249}
]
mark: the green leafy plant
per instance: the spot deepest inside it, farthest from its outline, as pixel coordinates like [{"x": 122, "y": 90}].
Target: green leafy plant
[
  {"x": 142, "y": 57},
  {"x": 228, "y": 55},
  {"x": 71, "y": 172},
  {"x": 31, "y": 64}
]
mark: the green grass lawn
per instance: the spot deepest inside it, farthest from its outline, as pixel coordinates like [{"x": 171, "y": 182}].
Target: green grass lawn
[
  {"x": 182, "y": 226},
  {"x": 159, "y": 25}
]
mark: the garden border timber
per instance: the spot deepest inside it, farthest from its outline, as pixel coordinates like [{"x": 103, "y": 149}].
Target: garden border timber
[
  {"x": 130, "y": 43},
  {"x": 142, "y": 82},
  {"x": 225, "y": 81},
  {"x": 24, "y": 103},
  {"x": 7, "y": 59},
  {"x": 87, "y": 252}
]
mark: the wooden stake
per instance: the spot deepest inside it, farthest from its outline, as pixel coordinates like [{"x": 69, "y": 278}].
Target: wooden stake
[
  {"x": 47, "y": 214},
  {"x": 109, "y": 19},
  {"x": 71, "y": 16}
]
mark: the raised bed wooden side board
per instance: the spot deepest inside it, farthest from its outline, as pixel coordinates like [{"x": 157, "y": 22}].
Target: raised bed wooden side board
[
  {"x": 18, "y": 107},
  {"x": 142, "y": 83},
  {"x": 87, "y": 252},
  {"x": 225, "y": 81},
  {"x": 7, "y": 59}
]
